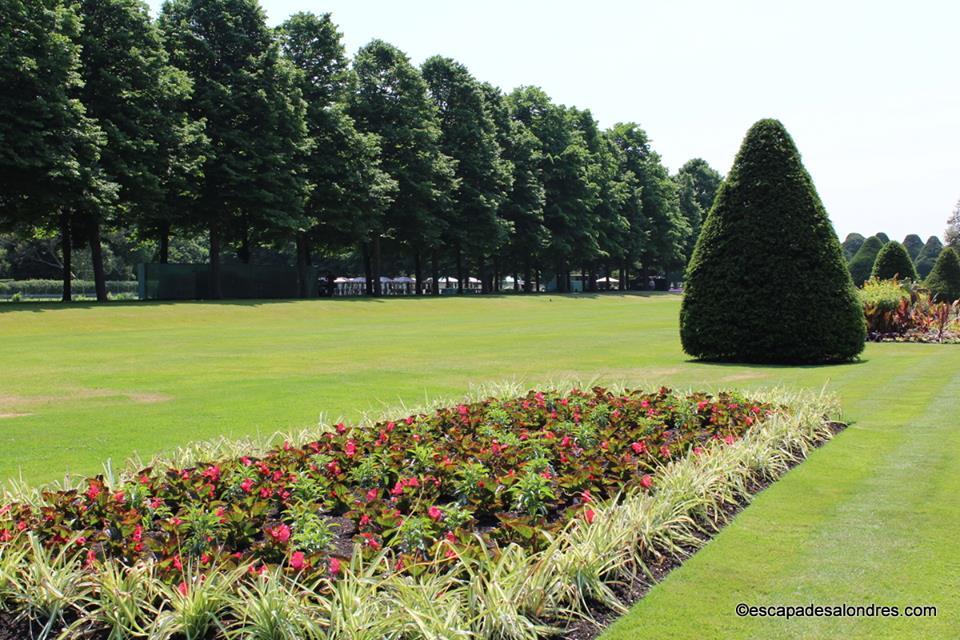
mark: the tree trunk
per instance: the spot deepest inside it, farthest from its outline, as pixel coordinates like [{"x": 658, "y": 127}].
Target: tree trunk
[
  {"x": 459, "y": 271},
  {"x": 243, "y": 253},
  {"x": 435, "y": 273},
  {"x": 516, "y": 282},
  {"x": 482, "y": 268},
  {"x": 302, "y": 264},
  {"x": 216, "y": 291},
  {"x": 164, "y": 242},
  {"x": 96, "y": 257},
  {"x": 495, "y": 283},
  {"x": 367, "y": 269},
  {"x": 537, "y": 281},
  {"x": 66, "y": 247},
  {"x": 377, "y": 291},
  {"x": 417, "y": 272},
  {"x": 527, "y": 276}
]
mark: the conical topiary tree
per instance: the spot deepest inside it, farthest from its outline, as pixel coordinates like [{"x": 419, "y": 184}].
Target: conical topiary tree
[
  {"x": 913, "y": 244},
  {"x": 944, "y": 279},
  {"x": 928, "y": 256},
  {"x": 861, "y": 266},
  {"x": 767, "y": 280},
  {"x": 882, "y": 237},
  {"x": 893, "y": 261},
  {"x": 851, "y": 244}
]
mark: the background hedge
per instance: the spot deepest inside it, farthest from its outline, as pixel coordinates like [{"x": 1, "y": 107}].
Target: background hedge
[
  {"x": 861, "y": 266},
  {"x": 944, "y": 279},
  {"x": 893, "y": 261}
]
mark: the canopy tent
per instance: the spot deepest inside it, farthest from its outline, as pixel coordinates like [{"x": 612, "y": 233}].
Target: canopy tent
[{"x": 608, "y": 280}]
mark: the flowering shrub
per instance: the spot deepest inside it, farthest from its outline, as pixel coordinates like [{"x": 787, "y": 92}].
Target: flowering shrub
[
  {"x": 907, "y": 313},
  {"x": 459, "y": 478}
]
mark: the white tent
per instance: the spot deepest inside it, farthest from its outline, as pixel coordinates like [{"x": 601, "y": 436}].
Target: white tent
[
  {"x": 404, "y": 280},
  {"x": 610, "y": 280}
]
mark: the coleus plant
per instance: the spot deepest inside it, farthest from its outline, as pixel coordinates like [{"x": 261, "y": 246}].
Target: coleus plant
[{"x": 493, "y": 471}]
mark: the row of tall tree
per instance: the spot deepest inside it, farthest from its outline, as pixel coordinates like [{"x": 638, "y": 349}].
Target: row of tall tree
[{"x": 208, "y": 121}]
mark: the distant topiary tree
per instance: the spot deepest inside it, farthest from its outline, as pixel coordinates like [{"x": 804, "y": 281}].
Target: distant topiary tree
[
  {"x": 882, "y": 237},
  {"x": 928, "y": 256},
  {"x": 944, "y": 279},
  {"x": 893, "y": 261},
  {"x": 862, "y": 263},
  {"x": 913, "y": 244},
  {"x": 767, "y": 280},
  {"x": 851, "y": 244}
]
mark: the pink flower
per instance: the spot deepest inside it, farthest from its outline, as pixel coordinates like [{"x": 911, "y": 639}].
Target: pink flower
[
  {"x": 297, "y": 561},
  {"x": 372, "y": 495},
  {"x": 177, "y": 563},
  {"x": 138, "y": 533},
  {"x": 5, "y": 536},
  {"x": 341, "y": 428},
  {"x": 351, "y": 448},
  {"x": 266, "y": 492},
  {"x": 589, "y": 515},
  {"x": 334, "y": 566},
  {"x": 665, "y": 451},
  {"x": 212, "y": 473},
  {"x": 639, "y": 447},
  {"x": 565, "y": 441},
  {"x": 91, "y": 557},
  {"x": 247, "y": 485},
  {"x": 435, "y": 513},
  {"x": 93, "y": 491},
  {"x": 586, "y": 497},
  {"x": 646, "y": 481},
  {"x": 183, "y": 589},
  {"x": 462, "y": 410},
  {"x": 280, "y": 533},
  {"x": 729, "y": 439}
]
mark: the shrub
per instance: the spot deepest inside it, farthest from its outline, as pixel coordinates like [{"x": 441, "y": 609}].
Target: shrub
[
  {"x": 27, "y": 288},
  {"x": 767, "y": 281},
  {"x": 851, "y": 244},
  {"x": 883, "y": 295},
  {"x": 893, "y": 261},
  {"x": 928, "y": 256},
  {"x": 944, "y": 280},
  {"x": 913, "y": 244},
  {"x": 899, "y": 313},
  {"x": 862, "y": 263}
]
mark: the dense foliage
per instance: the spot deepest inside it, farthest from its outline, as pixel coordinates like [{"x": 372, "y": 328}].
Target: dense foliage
[
  {"x": 851, "y": 244},
  {"x": 208, "y": 127},
  {"x": 928, "y": 256},
  {"x": 497, "y": 470},
  {"x": 861, "y": 265},
  {"x": 893, "y": 261},
  {"x": 767, "y": 280},
  {"x": 898, "y": 312},
  {"x": 944, "y": 280}
]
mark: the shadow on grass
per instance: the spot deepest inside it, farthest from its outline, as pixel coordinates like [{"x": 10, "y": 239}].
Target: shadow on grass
[
  {"x": 36, "y": 307},
  {"x": 777, "y": 365}
]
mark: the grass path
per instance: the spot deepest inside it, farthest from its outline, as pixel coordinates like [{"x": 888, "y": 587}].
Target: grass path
[{"x": 871, "y": 518}]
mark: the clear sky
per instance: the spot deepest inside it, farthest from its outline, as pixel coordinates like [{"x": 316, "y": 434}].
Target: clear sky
[{"x": 868, "y": 89}]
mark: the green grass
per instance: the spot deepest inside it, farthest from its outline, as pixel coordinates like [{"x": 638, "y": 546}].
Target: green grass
[{"x": 871, "y": 518}]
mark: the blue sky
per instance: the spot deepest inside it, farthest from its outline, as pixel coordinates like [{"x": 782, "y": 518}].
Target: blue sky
[{"x": 869, "y": 90}]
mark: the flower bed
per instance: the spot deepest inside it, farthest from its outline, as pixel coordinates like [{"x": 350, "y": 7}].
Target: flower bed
[
  {"x": 474, "y": 499},
  {"x": 898, "y": 312}
]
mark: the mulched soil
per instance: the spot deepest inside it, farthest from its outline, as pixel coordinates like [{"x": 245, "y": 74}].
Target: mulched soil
[{"x": 11, "y": 629}]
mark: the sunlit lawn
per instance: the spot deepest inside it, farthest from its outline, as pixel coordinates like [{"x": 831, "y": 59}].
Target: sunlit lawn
[{"x": 871, "y": 518}]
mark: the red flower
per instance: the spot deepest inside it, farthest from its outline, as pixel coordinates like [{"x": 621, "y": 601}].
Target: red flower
[
  {"x": 266, "y": 492},
  {"x": 183, "y": 589},
  {"x": 334, "y": 566},
  {"x": 373, "y": 494},
  {"x": 5, "y": 536},
  {"x": 177, "y": 563},
  {"x": 729, "y": 439},
  {"x": 586, "y": 497},
  {"x": 639, "y": 447},
  {"x": 246, "y": 485},
  {"x": 212, "y": 473},
  {"x": 589, "y": 515},
  {"x": 280, "y": 533},
  {"x": 665, "y": 451},
  {"x": 646, "y": 481},
  {"x": 351, "y": 448},
  {"x": 297, "y": 561},
  {"x": 93, "y": 491},
  {"x": 435, "y": 513},
  {"x": 91, "y": 557}
]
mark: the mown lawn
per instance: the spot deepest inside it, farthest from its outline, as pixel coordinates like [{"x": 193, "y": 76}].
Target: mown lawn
[{"x": 871, "y": 518}]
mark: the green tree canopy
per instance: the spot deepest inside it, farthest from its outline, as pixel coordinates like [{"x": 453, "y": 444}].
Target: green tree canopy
[
  {"x": 851, "y": 244},
  {"x": 944, "y": 279},
  {"x": 893, "y": 261},
  {"x": 254, "y": 181},
  {"x": 469, "y": 136},
  {"x": 913, "y": 244},
  {"x": 882, "y": 237},
  {"x": 861, "y": 265},
  {"x": 698, "y": 183},
  {"x": 767, "y": 281},
  {"x": 392, "y": 101},
  {"x": 928, "y": 256}
]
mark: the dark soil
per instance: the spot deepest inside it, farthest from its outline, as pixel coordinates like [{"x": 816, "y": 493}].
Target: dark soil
[{"x": 629, "y": 593}]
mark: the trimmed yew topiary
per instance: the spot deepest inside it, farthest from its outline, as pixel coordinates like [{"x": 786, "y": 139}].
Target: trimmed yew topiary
[
  {"x": 767, "y": 280},
  {"x": 861, "y": 266},
  {"x": 893, "y": 261},
  {"x": 944, "y": 280},
  {"x": 928, "y": 256}
]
